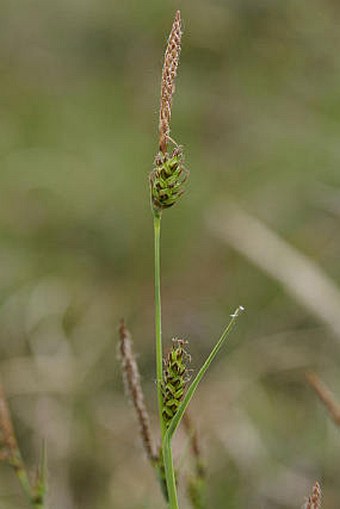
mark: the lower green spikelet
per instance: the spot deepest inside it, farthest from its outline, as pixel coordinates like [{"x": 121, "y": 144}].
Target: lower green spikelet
[{"x": 175, "y": 379}]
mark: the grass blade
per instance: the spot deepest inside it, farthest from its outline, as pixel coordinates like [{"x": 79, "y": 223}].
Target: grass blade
[{"x": 193, "y": 386}]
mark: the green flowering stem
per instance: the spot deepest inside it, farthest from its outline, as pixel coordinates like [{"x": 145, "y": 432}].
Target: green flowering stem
[
  {"x": 21, "y": 473},
  {"x": 36, "y": 499},
  {"x": 158, "y": 317},
  {"x": 40, "y": 487},
  {"x": 166, "y": 444},
  {"x": 166, "y": 447},
  {"x": 170, "y": 472}
]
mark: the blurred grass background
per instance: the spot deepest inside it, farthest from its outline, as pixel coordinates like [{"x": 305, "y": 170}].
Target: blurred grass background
[{"x": 258, "y": 109}]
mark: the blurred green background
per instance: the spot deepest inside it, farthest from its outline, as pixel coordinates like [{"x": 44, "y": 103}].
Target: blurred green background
[{"x": 257, "y": 108}]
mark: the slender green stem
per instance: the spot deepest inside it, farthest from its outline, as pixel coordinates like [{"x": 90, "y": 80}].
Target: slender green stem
[
  {"x": 40, "y": 487},
  {"x": 158, "y": 318},
  {"x": 166, "y": 443},
  {"x": 38, "y": 504},
  {"x": 170, "y": 473},
  {"x": 21, "y": 473}
]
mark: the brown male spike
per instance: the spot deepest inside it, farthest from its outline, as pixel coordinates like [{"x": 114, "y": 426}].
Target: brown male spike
[
  {"x": 171, "y": 60},
  {"x": 169, "y": 175}
]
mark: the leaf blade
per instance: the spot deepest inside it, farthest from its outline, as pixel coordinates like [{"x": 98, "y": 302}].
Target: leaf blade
[{"x": 193, "y": 386}]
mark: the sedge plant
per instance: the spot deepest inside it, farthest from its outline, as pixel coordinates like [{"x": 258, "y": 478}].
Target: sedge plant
[
  {"x": 175, "y": 386},
  {"x": 167, "y": 183}
]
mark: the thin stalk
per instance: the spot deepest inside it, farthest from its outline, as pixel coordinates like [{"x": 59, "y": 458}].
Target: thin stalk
[
  {"x": 40, "y": 487},
  {"x": 170, "y": 473},
  {"x": 21, "y": 473},
  {"x": 22, "y": 476},
  {"x": 39, "y": 505},
  {"x": 166, "y": 443},
  {"x": 158, "y": 318}
]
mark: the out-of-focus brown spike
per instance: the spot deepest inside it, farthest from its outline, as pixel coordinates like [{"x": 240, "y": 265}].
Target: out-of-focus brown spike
[
  {"x": 194, "y": 442},
  {"x": 314, "y": 501},
  {"x": 8, "y": 442},
  {"x": 195, "y": 482},
  {"x": 133, "y": 386},
  {"x": 325, "y": 396}
]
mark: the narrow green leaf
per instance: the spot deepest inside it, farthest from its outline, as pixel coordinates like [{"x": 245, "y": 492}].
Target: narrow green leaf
[
  {"x": 193, "y": 386},
  {"x": 40, "y": 487}
]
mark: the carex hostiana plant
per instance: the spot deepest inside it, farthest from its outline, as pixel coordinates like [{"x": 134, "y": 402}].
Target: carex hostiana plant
[
  {"x": 35, "y": 490},
  {"x": 167, "y": 182}
]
